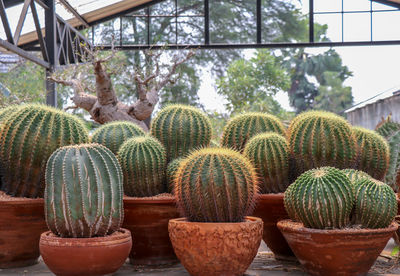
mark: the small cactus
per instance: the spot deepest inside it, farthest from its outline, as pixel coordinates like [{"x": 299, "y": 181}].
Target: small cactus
[
  {"x": 216, "y": 185},
  {"x": 355, "y": 175},
  {"x": 143, "y": 161},
  {"x": 172, "y": 168},
  {"x": 242, "y": 127},
  {"x": 269, "y": 154},
  {"x": 83, "y": 195},
  {"x": 114, "y": 134}
]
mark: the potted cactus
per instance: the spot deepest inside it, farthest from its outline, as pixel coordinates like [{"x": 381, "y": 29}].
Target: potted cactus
[
  {"x": 338, "y": 226},
  {"x": 83, "y": 208},
  {"x": 215, "y": 189},
  {"x": 28, "y": 136}
]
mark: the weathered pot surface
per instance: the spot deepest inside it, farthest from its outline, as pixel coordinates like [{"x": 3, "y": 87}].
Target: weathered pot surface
[
  {"x": 336, "y": 252},
  {"x": 216, "y": 248},
  {"x": 85, "y": 256},
  {"x": 147, "y": 219}
]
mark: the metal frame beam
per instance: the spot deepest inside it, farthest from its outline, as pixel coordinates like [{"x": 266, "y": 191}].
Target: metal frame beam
[
  {"x": 68, "y": 6},
  {"x": 51, "y": 45}
]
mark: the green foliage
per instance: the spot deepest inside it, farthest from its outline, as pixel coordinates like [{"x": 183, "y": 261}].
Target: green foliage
[
  {"x": 114, "y": 134},
  {"x": 216, "y": 185},
  {"x": 269, "y": 154},
  {"x": 27, "y": 139},
  {"x": 172, "y": 168},
  {"x": 143, "y": 162},
  {"x": 83, "y": 195}
]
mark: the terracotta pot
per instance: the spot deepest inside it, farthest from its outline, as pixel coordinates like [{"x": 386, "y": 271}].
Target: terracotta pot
[
  {"x": 270, "y": 209},
  {"x": 336, "y": 252},
  {"x": 216, "y": 248},
  {"x": 21, "y": 223},
  {"x": 85, "y": 256},
  {"x": 147, "y": 219}
]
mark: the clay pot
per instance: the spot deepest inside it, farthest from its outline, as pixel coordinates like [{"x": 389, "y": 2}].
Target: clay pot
[
  {"x": 21, "y": 223},
  {"x": 270, "y": 209},
  {"x": 336, "y": 252},
  {"x": 147, "y": 219},
  {"x": 216, "y": 248},
  {"x": 85, "y": 256}
]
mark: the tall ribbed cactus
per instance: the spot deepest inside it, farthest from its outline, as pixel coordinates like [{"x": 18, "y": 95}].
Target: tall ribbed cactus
[
  {"x": 373, "y": 153},
  {"x": 317, "y": 139},
  {"x": 143, "y": 162},
  {"x": 114, "y": 134},
  {"x": 269, "y": 154},
  {"x": 83, "y": 195},
  {"x": 27, "y": 139},
  {"x": 321, "y": 198},
  {"x": 375, "y": 205},
  {"x": 172, "y": 168},
  {"x": 216, "y": 185},
  {"x": 355, "y": 175},
  {"x": 242, "y": 127},
  {"x": 181, "y": 128}
]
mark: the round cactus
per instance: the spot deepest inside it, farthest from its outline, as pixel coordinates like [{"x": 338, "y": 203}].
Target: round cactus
[
  {"x": 376, "y": 204},
  {"x": 321, "y": 198},
  {"x": 143, "y": 161},
  {"x": 83, "y": 195},
  {"x": 317, "y": 139},
  {"x": 242, "y": 127},
  {"x": 8, "y": 111},
  {"x": 216, "y": 185},
  {"x": 372, "y": 154},
  {"x": 114, "y": 134},
  {"x": 355, "y": 175},
  {"x": 172, "y": 168},
  {"x": 27, "y": 139},
  {"x": 181, "y": 128},
  {"x": 269, "y": 154}
]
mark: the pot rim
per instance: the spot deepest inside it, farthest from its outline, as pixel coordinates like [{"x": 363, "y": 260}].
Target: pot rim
[
  {"x": 248, "y": 219},
  {"x": 146, "y": 200},
  {"x": 270, "y": 196},
  {"x": 22, "y": 201}
]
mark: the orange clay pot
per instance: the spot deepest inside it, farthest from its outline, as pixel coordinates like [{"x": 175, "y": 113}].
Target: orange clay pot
[
  {"x": 147, "y": 219},
  {"x": 21, "y": 223},
  {"x": 85, "y": 256},
  {"x": 336, "y": 252},
  {"x": 216, "y": 248}
]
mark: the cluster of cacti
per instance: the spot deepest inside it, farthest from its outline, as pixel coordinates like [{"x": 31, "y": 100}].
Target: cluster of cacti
[
  {"x": 27, "y": 139},
  {"x": 269, "y": 154},
  {"x": 242, "y": 127},
  {"x": 114, "y": 134},
  {"x": 83, "y": 195},
  {"x": 216, "y": 185},
  {"x": 181, "y": 128},
  {"x": 143, "y": 162},
  {"x": 372, "y": 153},
  {"x": 172, "y": 168}
]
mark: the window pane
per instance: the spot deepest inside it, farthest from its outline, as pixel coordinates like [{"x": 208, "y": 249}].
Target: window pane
[
  {"x": 356, "y": 5},
  {"x": 334, "y": 24},
  {"x": 327, "y": 5},
  {"x": 162, "y": 30},
  {"x": 357, "y": 27},
  {"x": 191, "y": 30},
  {"x": 386, "y": 25},
  {"x": 134, "y": 30},
  {"x": 190, "y": 7},
  {"x": 166, "y": 7}
]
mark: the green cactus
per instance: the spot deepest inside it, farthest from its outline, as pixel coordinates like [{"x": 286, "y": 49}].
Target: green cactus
[
  {"x": 143, "y": 161},
  {"x": 8, "y": 111},
  {"x": 83, "y": 195},
  {"x": 181, "y": 128},
  {"x": 317, "y": 139},
  {"x": 172, "y": 168},
  {"x": 269, "y": 154},
  {"x": 27, "y": 139},
  {"x": 375, "y": 205},
  {"x": 321, "y": 198},
  {"x": 242, "y": 127},
  {"x": 216, "y": 185},
  {"x": 114, "y": 134},
  {"x": 373, "y": 153},
  {"x": 355, "y": 175}
]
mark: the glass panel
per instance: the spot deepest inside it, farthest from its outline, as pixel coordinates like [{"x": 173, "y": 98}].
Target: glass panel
[
  {"x": 134, "y": 30},
  {"x": 327, "y": 5},
  {"x": 190, "y": 7},
  {"x": 334, "y": 24},
  {"x": 191, "y": 30},
  {"x": 357, "y": 27},
  {"x": 103, "y": 33},
  {"x": 85, "y": 6},
  {"x": 162, "y": 30},
  {"x": 385, "y": 25},
  {"x": 356, "y": 5},
  {"x": 163, "y": 8}
]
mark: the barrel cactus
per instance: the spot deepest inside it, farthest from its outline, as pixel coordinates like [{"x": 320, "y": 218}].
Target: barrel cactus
[
  {"x": 143, "y": 161},
  {"x": 172, "y": 168},
  {"x": 269, "y": 154},
  {"x": 8, "y": 111},
  {"x": 372, "y": 154},
  {"x": 27, "y": 139},
  {"x": 83, "y": 195},
  {"x": 114, "y": 134},
  {"x": 216, "y": 185},
  {"x": 355, "y": 175},
  {"x": 181, "y": 128},
  {"x": 242, "y": 127},
  {"x": 321, "y": 198}
]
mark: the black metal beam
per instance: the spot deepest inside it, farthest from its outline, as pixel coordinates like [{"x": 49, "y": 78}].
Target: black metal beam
[
  {"x": 311, "y": 21},
  {"x": 206, "y": 22},
  {"x": 11, "y": 47},
  {"x": 258, "y": 18},
  {"x": 6, "y": 24},
  {"x": 68, "y": 6},
  {"x": 51, "y": 45}
]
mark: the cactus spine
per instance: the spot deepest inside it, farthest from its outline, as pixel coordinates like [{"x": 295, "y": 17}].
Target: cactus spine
[
  {"x": 242, "y": 127},
  {"x": 114, "y": 134},
  {"x": 269, "y": 154},
  {"x": 216, "y": 185},
  {"x": 83, "y": 195},
  {"x": 181, "y": 128},
  {"x": 172, "y": 168},
  {"x": 143, "y": 161},
  {"x": 27, "y": 139}
]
